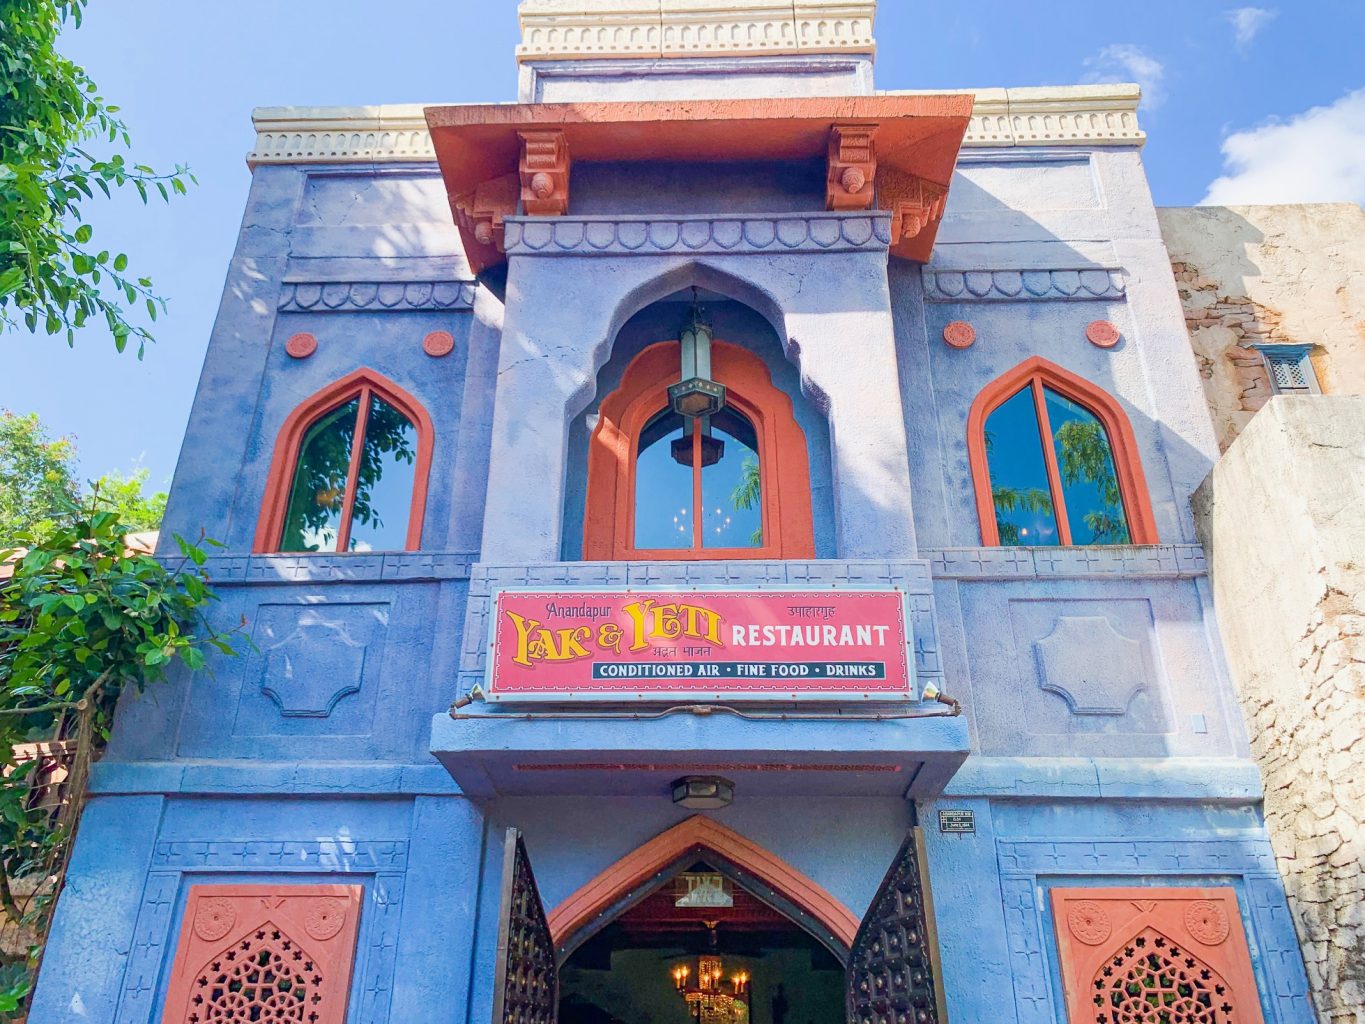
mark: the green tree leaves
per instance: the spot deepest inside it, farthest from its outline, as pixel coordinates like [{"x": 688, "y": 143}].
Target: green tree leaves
[
  {"x": 50, "y": 111},
  {"x": 83, "y": 618}
]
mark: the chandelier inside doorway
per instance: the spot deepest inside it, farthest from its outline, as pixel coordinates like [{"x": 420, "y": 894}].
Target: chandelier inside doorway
[{"x": 711, "y": 998}]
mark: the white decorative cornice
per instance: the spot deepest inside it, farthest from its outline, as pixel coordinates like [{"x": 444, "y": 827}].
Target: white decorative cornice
[
  {"x": 340, "y": 135},
  {"x": 604, "y": 29},
  {"x": 1065, "y": 115},
  {"x": 1080, "y": 115},
  {"x": 650, "y": 236}
]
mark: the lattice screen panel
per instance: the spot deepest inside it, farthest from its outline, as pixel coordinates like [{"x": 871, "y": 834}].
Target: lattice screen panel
[
  {"x": 1154, "y": 956},
  {"x": 266, "y": 954}
]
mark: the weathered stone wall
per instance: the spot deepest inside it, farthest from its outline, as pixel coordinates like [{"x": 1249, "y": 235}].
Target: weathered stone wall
[
  {"x": 1253, "y": 275},
  {"x": 1281, "y": 519}
]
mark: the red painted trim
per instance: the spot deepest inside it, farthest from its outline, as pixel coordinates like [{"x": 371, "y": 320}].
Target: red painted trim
[
  {"x": 362, "y": 383},
  {"x": 698, "y": 834},
  {"x": 1036, "y": 372},
  {"x": 609, "y": 514}
]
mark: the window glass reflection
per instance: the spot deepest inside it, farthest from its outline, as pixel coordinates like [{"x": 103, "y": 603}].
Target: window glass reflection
[
  {"x": 663, "y": 487},
  {"x": 1090, "y": 485},
  {"x": 317, "y": 496},
  {"x": 731, "y": 488},
  {"x": 728, "y": 480},
  {"x": 1018, "y": 472},
  {"x": 384, "y": 483}
]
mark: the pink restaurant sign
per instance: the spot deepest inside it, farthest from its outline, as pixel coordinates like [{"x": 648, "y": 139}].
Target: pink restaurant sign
[{"x": 699, "y": 645}]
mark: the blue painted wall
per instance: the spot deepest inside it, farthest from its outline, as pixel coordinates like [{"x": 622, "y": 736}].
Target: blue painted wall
[{"x": 310, "y": 758}]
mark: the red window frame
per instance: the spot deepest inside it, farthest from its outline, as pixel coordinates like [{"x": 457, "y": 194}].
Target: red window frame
[
  {"x": 362, "y": 384},
  {"x": 609, "y": 514},
  {"x": 1035, "y": 374}
]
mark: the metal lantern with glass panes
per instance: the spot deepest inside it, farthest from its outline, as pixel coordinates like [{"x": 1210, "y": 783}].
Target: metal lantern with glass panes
[{"x": 696, "y": 396}]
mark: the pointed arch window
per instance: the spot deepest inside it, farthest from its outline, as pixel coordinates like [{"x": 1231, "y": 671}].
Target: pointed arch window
[
  {"x": 350, "y": 471},
  {"x": 735, "y": 486},
  {"x": 1054, "y": 462}
]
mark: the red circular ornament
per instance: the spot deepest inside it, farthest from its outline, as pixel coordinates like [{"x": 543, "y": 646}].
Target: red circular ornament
[
  {"x": 1102, "y": 333},
  {"x": 959, "y": 334},
  {"x": 438, "y": 344},
  {"x": 301, "y": 346}
]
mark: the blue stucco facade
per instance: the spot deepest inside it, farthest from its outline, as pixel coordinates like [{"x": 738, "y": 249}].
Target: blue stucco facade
[{"x": 328, "y": 753}]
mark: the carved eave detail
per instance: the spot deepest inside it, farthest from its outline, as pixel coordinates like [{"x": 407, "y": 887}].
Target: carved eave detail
[
  {"x": 916, "y": 206},
  {"x": 479, "y": 215},
  {"x": 851, "y": 180},
  {"x": 544, "y": 173}
]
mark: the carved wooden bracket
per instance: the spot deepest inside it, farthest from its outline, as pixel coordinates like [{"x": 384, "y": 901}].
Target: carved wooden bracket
[
  {"x": 544, "y": 172},
  {"x": 914, "y": 204},
  {"x": 851, "y": 183},
  {"x": 481, "y": 211}
]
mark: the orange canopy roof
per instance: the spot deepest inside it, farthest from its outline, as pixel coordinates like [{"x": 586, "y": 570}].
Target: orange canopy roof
[{"x": 917, "y": 135}]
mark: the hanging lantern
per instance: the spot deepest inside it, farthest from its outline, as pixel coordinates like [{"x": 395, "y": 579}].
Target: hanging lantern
[
  {"x": 696, "y": 396},
  {"x": 711, "y": 997}
]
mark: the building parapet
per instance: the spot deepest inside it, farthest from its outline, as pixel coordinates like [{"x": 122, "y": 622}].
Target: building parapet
[
  {"x": 1080, "y": 115},
  {"x": 575, "y": 29}
]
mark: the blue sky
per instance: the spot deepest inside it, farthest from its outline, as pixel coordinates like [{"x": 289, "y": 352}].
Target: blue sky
[{"x": 1244, "y": 104}]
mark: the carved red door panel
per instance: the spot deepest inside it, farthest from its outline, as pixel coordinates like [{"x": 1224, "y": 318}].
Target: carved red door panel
[
  {"x": 1154, "y": 956},
  {"x": 279, "y": 954}
]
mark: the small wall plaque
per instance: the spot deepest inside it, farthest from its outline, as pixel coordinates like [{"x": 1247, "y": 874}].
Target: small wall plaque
[{"x": 957, "y": 822}]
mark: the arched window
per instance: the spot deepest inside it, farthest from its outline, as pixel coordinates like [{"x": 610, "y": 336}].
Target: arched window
[
  {"x": 660, "y": 486},
  {"x": 350, "y": 471},
  {"x": 1054, "y": 462}
]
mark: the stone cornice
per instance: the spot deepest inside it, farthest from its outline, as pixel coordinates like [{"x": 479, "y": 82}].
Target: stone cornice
[
  {"x": 341, "y": 135},
  {"x": 1065, "y": 115},
  {"x": 575, "y": 29},
  {"x": 1023, "y": 285},
  {"x": 375, "y": 296},
  {"x": 650, "y": 236},
  {"x": 1083, "y": 115}
]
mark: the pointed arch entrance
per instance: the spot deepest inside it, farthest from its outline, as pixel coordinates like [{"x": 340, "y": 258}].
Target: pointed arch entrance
[{"x": 646, "y": 868}]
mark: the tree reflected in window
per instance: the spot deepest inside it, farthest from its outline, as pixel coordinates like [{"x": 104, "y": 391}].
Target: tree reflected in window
[
  {"x": 698, "y": 485},
  {"x": 1052, "y": 473},
  {"x": 349, "y": 496}
]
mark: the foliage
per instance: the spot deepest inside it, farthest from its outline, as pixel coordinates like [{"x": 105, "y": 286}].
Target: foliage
[
  {"x": 748, "y": 493},
  {"x": 318, "y": 493},
  {"x": 1087, "y": 458},
  {"x": 51, "y": 275},
  {"x": 82, "y": 619},
  {"x": 123, "y": 496},
  {"x": 37, "y": 477},
  {"x": 1009, "y": 499}
]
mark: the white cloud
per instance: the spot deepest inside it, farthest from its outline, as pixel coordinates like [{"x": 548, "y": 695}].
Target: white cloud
[
  {"x": 1247, "y": 22},
  {"x": 1314, "y": 157},
  {"x": 1124, "y": 62}
]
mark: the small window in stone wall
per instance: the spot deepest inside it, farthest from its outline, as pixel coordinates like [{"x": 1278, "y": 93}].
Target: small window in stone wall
[
  {"x": 1054, "y": 463},
  {"x": 271, "y": 954},
  {"x": 1290, "y": 369},
  {"x": 1154, "y": 956},
  {"x": 350, "y": 471}
]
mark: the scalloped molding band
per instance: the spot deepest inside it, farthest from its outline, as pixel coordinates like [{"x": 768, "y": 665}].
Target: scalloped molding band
[
  {"x": 1081, "y": 115},
  {"x": 375, "y": 296},
  {"x": 650, "y": 236},
  {"x": 1023, "y": 285}
]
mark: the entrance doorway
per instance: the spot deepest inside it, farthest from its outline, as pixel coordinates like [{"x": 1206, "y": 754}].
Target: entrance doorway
[{"x": 702, "y": 947}]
